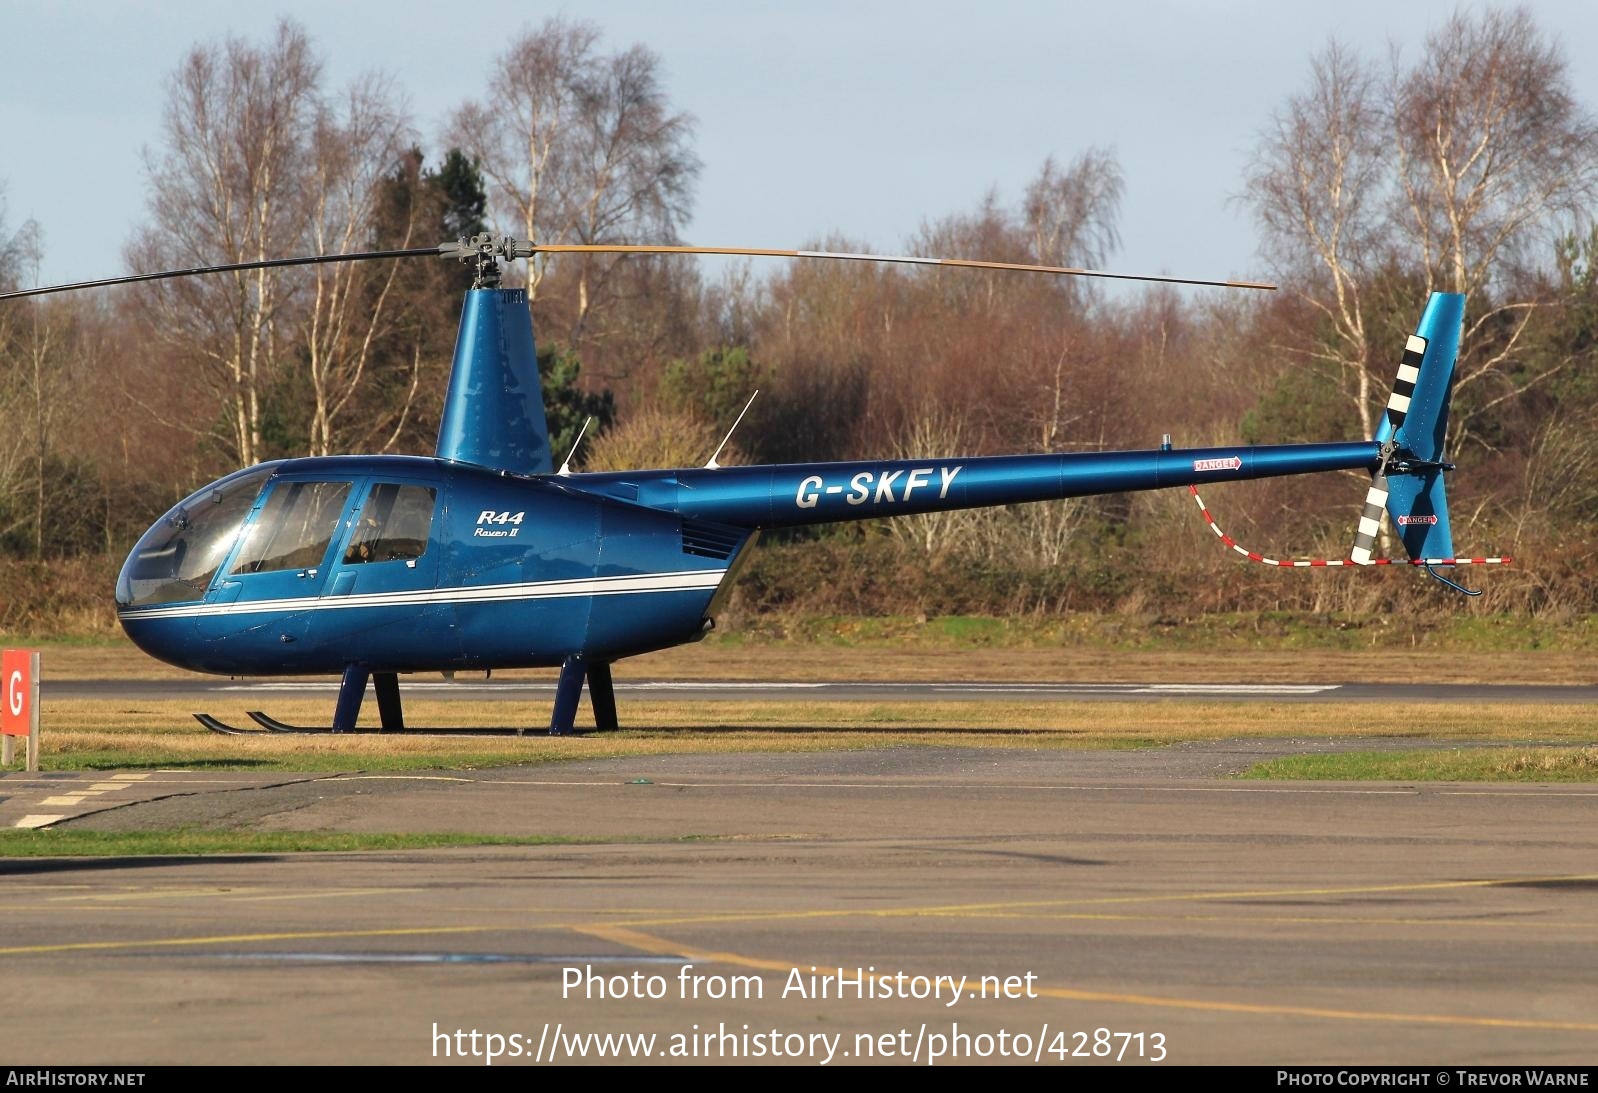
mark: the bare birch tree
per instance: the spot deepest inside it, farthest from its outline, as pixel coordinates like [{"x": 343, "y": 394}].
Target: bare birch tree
[
  {"x": 14, "y": 424},
  {"x": 1317, "y": 184},
  {"x": 1072, "y": 214},
  {"x": 258, "y": 162},
  {"x": 230, "y": 186},
  {"x": 1493, "y": 154},
  {"x": 580, "y": 147},
  {"x": 40, "y": 342},
  {"x": 1448, "y": 171},
  {"x": 356, "y": 144}
]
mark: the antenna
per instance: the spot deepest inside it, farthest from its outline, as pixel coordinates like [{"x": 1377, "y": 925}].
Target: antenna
[
  {"x": 713, "y": 465},
  {"x": 566, "y": 466}
]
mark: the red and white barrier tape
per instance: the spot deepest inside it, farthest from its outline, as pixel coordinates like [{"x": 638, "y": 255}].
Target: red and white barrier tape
[{"x": 1319, "y": 563}]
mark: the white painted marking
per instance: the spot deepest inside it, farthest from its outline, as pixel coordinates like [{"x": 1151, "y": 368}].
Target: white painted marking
[
  {"x": 64, "y": 800},
  {"x": 101, "y": 787},
  {"x": 36, "y": 820},
  {"x": 131, "y": 777},
  {"x": 1244, "y": 688},
  {"x": 1416, "y": 344},
  {"x": 1399, "y": 402},
  {"x": 1408, "y": 373}
]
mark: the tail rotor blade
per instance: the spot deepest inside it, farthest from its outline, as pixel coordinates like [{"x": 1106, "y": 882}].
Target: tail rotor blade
[{"x": 1370, "y": 520}]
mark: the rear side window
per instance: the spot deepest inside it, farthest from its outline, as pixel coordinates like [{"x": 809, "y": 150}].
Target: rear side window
[
  {"x": 393, "y": 525},
  {"x": 293, "y": 528}
]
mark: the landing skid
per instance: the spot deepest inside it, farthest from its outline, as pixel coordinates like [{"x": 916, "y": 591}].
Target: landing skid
[
  {"x": 267, "y": 721},
  {"x": 574, "y": 672},
  {"x": 272, "y": 723},
  {"x": 222, "y": 726},
  {"x": 273, "y": 727}
]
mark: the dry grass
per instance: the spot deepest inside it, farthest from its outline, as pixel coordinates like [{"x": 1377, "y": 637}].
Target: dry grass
[
  {"x": 96, "y": 734},
  {"x": 904, "y": 659},
  {"x": 1576, "y": 763},
  {"x": 1453, "y": 765}
]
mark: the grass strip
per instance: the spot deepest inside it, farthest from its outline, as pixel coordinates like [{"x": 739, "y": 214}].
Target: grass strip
[{"x": 1500, "y": 764}]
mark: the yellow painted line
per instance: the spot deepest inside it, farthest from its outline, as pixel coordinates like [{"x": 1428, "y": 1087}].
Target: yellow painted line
[
  {"x": 660, "y": 946},
  {"x": 337, "y": 894},
  {"x": 957, "y": 909},
  {"x": 1280, "y": 920},
  {"x": 64, "y": 799},
  {"x": 240, "y": 939},
  {"x": 35, "y": 820}
]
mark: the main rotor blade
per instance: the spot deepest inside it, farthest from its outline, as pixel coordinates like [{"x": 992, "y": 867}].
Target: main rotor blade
[
  {"x": 486, "y": 247},
  {"x": 232, "y": 267},
  {"x": 963, "y": 263}
]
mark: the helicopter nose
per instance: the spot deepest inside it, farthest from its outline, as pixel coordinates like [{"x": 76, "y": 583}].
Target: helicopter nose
[{"x": 167, "y": 639}]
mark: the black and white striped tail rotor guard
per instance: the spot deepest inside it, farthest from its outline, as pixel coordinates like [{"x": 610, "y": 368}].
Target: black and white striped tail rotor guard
[{"x": 1370, "y": 517}]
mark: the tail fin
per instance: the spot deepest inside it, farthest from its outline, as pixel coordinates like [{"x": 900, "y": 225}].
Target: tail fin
[{"x": 1409, "y": 483}]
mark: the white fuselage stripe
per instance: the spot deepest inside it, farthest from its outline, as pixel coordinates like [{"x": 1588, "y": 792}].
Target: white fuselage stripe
[{"x": 686, "y": 581}]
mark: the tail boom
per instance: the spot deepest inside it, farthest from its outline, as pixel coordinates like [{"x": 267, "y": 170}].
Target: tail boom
[{"x": 818, "y": 493}]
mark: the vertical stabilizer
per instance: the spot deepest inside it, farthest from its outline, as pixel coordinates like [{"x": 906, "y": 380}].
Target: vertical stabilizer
[
  {"x": 494, "y": 411},
  {"x": 1415, "y": 422}
]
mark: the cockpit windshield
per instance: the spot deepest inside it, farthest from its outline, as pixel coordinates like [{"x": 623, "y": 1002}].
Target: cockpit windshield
[{"x": 176, "y": 559}]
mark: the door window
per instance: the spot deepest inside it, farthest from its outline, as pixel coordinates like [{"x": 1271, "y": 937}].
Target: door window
[
  {"x": 394, "y": 524},
  {"x": 293, "y": 528}
]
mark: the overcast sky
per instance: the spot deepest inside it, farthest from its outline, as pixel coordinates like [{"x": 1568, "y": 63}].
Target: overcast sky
[{"x": 851, "y": 117}]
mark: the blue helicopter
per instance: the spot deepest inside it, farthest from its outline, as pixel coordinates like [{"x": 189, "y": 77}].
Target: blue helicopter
[{"x": 486, "y": 556}]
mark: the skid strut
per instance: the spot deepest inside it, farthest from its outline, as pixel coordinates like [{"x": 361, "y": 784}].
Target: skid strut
[{"x": 601, "y": 694}]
